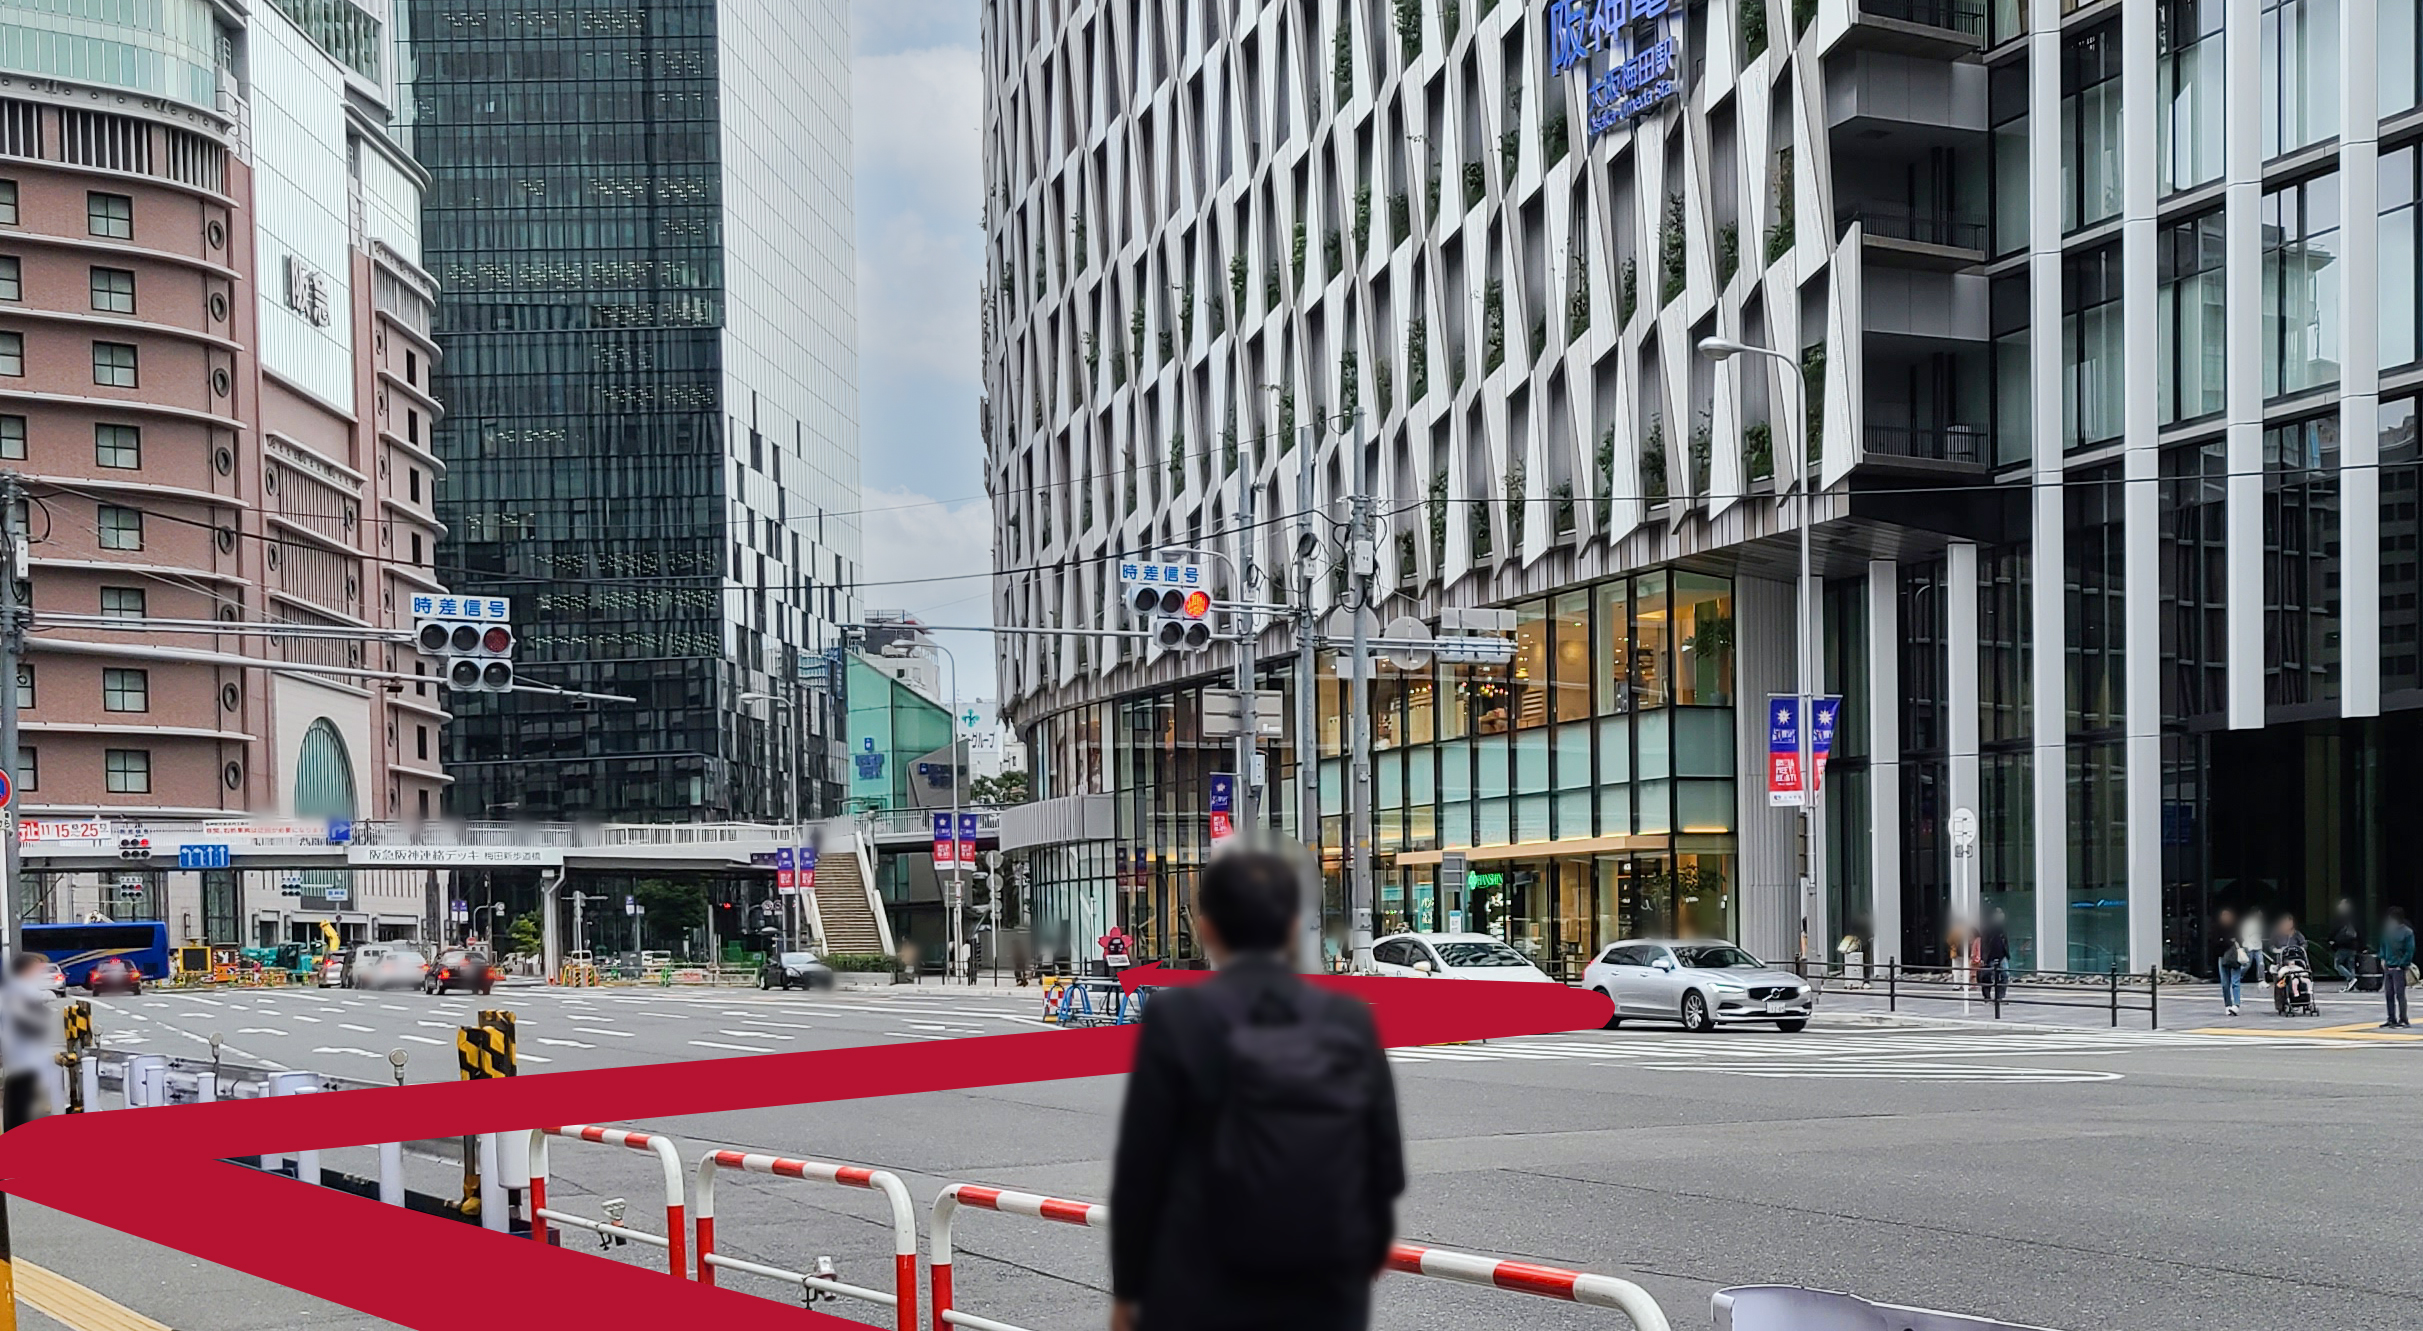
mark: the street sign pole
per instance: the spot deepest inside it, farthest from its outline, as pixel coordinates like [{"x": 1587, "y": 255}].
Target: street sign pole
[
  {"x": 1249, "y": 796},
  {"x": 1308, "y": 788},
  {"x": 1361, "y": 557}
]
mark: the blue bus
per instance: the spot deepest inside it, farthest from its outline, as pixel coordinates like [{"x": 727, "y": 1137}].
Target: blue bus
[{"x": 75, "y": 947}]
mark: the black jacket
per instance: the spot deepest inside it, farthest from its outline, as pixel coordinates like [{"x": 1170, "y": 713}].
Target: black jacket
[{"x": 1162, "y": 1250}]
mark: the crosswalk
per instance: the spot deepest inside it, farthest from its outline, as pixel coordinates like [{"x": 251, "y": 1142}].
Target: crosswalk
[{"x": 1911, "y": 1056}]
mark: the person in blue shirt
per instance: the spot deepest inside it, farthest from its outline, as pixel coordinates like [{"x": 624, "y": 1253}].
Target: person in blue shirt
[{"x": 2397, "y": 953}]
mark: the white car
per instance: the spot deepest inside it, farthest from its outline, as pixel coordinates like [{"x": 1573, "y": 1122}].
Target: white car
[
  {"x": 396, "y": 969},
  {"x": 1699, "y": 983},
  {"x": 1453, "y": 957}
]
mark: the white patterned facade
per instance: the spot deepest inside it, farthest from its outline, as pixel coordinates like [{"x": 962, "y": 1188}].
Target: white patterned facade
[{"x": 2108, "y": 312}]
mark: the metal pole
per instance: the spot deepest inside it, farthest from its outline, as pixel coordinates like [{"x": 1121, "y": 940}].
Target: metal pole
[
  {"x": 955, "y": 932},
  {"x": 1308, "y": 761},
  {"x": 550, "y": 949},
  {"x": 1248, "y": 743},
  {"x": 12, "y": 648},
  {"x": 1813, "y": 829},
  {"x": 1362, "y": 556}
]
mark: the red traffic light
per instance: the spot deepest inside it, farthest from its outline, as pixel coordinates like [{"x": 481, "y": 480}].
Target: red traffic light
[
  {"x": 1198, "y": 604},
  {"x": 497, "y": 639}
]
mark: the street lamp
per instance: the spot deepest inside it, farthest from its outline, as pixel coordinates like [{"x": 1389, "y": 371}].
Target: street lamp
[
  {"x": 954, "y": 926},
  {"x": 1813, "y": 828}
]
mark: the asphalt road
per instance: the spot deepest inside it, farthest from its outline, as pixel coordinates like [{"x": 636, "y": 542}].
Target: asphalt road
[{"x": 2072, "y": 1178}]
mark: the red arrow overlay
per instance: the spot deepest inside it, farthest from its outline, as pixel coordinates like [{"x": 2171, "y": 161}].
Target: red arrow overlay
[{"x": 87, "y": 1164}]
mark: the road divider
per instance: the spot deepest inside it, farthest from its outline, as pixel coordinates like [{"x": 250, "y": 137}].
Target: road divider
[{"x": 903, "y": 1299}]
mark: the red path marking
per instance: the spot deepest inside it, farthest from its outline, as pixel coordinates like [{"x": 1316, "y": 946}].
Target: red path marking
[{"x": 370, "y": 1257}]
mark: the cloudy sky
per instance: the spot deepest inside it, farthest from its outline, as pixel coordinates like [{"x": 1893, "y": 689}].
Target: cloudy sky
[{"x": 919, "y": 102}]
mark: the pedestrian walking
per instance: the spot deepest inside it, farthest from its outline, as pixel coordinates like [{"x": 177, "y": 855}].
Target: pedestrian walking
[
  {"x": 1995, "y": 954},
  {"x": 2250, "y": 933},
  {"x": 2397, "y": 965},
  {"x": 2230, "y": 962},
  {"x": 1259, "y": 1155},
  {"x": 2346, "y": 940},
  {"x": 28, "y": 1035}
]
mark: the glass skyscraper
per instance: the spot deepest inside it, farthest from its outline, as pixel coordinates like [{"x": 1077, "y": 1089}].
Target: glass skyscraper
[{"x": 640, "y": 220}]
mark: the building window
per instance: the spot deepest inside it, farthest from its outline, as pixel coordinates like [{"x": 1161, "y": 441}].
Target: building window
[
  {"x": 2401, "y": 256},
  {"x": 125, "y": 690},
  {"x": 2191, "y": 324},
  {"x": 121, "y": 528},
  {"x": 2300, "y": 73},
  {"x": 110, "y": 215},
  {"x": 2093, "y": 373},
  {"x": 2007, "y": 107},
  {"x": 2194, "y": 566},
  {"x": 2401, "y": 42},
  {"x": 122, "y": 603},
  {"x": 416, "y": 549},
  {"x": 415, "y": 473},
  {"x": 25, "y": 685},
  {"x": 114, "y": 364},
  {"x": 2091, "y": 548},
  {"x": 12, "y": 438},
  {"x": 113, "y": 290},
  {"x": 12, "y": 355},
  {"x": 118, "y": 446},
  {"x": 12, "y": 277},
  {"x": 2401, "y": 521},
  {"x": 2090, "y": 127},
  {"x": 2301, "y": 562},
  {"x": 2014, "y": 390},
  {"x": 8, "y": 202},
  {"x": 2301, "y": 286},
  {"x": 127, "y": 771},
  {"x": 2192, "y": 80},
  {"x": 421, "y": 741},
  {"x": 29, "y": 767}
]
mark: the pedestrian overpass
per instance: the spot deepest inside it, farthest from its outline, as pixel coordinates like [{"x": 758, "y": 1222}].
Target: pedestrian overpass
[{"x": 842, "y": 903}]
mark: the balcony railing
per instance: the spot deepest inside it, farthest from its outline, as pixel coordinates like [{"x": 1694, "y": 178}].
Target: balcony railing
[
  {"x": 1965, "y": 444},
  {"x": 1925, "y": 226},
  {"x": 1966, "y": 17}
]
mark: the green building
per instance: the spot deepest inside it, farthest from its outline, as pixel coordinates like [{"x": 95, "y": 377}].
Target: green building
[{"x": 892, "y": 727}]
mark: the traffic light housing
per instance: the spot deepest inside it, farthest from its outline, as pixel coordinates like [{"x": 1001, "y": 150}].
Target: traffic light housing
[
  {"x": 1180, "y": 620},
  {"x": 473, "y": 656}
]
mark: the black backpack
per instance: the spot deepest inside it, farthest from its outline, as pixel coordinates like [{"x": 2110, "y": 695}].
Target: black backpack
[{"x": 1289, "y": 1178}]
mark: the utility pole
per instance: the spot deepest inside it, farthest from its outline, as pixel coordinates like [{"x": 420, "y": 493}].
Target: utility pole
[
  {"x": 12, "y": 648},
  {"x": 1249, "y": 744},
  {"x": 1308, "y": 751},
  {"x": 1363, "y": 561}
]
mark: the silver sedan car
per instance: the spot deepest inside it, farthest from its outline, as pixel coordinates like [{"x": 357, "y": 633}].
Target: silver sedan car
[{"x": 1701, "y": 984}]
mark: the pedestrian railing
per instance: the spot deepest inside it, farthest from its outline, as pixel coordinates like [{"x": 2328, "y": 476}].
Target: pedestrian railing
[{"x": 1984, "y": 991}]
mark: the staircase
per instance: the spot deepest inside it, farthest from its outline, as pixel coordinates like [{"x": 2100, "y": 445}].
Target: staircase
[{"x": 842, "y": 905}]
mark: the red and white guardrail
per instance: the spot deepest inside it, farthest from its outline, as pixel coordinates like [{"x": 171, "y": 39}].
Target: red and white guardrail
[
  {"x": 1091, "y": 1215},
  {"x": 674, "y": 1243},
  {"x": 1413, "y": 1259},
  {"x": 903, "y": 1299}
]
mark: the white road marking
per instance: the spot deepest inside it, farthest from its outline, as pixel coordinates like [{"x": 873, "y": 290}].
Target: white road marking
[
  {"x": 420, "y": 1039},
  {"x": 743, "y": 1048},
  {"x": 568, "y": 1044},
  {"x": 395, "y": 1007},
  {"x": 443, "y": 1026},
  {"x": 349, "y": 1026},
  {"x": 758, "y": 1035},
  {"x": 300, "y": 1017},
  {"x": 605, "y": 1030},
  {"x": 260, "y": 1030},
  {"x": 346, "y": 1049},
  {"x": 786, "y": 1025}
]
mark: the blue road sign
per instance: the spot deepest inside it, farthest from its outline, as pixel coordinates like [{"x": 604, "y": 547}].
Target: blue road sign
[
  {"x": 340, "y": 831},
  {"x": 202, "y": 857}
]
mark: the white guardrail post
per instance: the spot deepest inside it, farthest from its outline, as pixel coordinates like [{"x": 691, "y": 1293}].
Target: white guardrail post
[{"x": 903, "y": 1299}]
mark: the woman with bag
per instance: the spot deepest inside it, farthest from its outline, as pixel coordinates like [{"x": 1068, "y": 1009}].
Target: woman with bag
[{"x": 2232, "y": 961}]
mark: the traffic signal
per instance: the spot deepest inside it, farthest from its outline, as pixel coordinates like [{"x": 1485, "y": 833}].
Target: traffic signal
[
  {"x": 473, "y": 657},
  {"x": 1180, "y": 619}
]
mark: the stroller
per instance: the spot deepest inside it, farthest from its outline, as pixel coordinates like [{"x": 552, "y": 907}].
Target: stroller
[{"x": 2293, "y": 985}]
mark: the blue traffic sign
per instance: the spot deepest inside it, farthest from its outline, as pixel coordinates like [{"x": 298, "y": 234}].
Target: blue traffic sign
[
  {"x": 8, "y": 790},
  {"x": 340, "y": 831},
  {"x": 336, "y": 893},
  {"x": 202, "y": 857}
]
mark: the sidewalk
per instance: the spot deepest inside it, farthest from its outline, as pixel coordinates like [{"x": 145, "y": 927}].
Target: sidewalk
[{"x": 2189, "y": 1006}]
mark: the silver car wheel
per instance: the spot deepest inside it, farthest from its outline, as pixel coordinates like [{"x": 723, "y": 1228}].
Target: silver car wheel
[{"x": 1695, "y": 1012}]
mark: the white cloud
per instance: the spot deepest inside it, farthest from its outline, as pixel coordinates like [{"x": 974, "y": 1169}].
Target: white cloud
[{"x": 917, "y": 549}]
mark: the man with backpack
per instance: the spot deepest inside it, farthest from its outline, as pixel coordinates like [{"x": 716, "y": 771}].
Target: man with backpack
[{"x": 1259, "y": 1157}]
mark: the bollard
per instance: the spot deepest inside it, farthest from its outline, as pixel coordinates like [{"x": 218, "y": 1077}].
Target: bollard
[
  {"x": 2111, "y": 987},
  {"x": 141, "y": 1081},
  {"x": 391, "y": 1173},
  {"x": 2153, "y": 998},
  {"x": 306, "y": 1163},
  {"x": 206, "y": 1088},
  {"x": 493, "y": 1214}
]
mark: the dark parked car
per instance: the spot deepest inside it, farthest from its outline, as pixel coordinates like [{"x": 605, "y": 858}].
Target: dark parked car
[
  {"x": 460, "y": 968},
  {"x": 794, "y": 970},
  {"x": 114, "y": 975}
]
